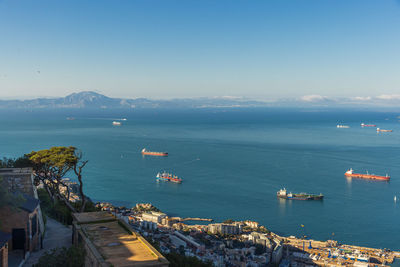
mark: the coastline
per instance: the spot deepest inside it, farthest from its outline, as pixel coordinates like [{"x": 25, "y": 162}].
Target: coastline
[{"x": 148, "y": 220}]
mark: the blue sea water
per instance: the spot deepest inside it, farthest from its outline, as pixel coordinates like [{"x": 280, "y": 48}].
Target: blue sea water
[{"x": 233, "y": 161}]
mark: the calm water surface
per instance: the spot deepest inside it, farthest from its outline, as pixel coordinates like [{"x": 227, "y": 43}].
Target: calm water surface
[{"x": 232, "y": 163}]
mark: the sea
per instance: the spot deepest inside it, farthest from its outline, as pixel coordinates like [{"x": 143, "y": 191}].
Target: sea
[{"x": 232, "y": 162}]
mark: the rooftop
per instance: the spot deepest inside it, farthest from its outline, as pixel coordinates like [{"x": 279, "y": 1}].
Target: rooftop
[
  {"x": 29, "y": 203},
  {"x": 115, "y": 243}
]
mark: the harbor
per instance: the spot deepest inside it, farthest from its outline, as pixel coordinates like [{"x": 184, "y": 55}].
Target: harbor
[{"x": 243, "y": 243}]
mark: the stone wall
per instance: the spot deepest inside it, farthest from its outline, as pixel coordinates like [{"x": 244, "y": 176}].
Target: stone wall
[{"x": 12, "y": 218}]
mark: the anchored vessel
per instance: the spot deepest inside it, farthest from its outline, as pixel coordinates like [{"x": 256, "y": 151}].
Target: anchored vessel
[
  {"x": 382, "y": 130},
  {"x": 168, "y": 177},
  {"x": 300, "y": 196},
  {"x": 162, "y": 154},
  {"x": 350, "y": 173},
  {"x": 368, "y": 125}
]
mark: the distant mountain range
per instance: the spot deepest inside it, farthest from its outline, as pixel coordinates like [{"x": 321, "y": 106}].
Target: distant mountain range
[{"x": 93, "y": 100}]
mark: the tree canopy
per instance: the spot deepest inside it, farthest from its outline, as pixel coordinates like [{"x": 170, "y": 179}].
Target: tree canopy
[{"x": 50, "y": 167}]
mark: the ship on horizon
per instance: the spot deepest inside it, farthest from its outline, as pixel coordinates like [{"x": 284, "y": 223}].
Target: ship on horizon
[
  {"x": 368, "y": 125},
  {"x": 342, "y": 126},
  {"x": 350, "y": 173},
  {"x": 383, "y": 130},
  {"x": 152, "y": 153},
  {"x": 168, "y": 177},
  {"x": 299, "y": 196}
]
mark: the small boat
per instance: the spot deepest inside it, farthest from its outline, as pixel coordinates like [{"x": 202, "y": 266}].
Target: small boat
[
  {"x": 395, "y": 199},
  {"x": 116, "y": 123},
  {"x": 368, "y": 125},
  {"x": 152, "y": 153},
  {"x": 342, "y": 126},
  {"x": 379, "y": 130},
  {"x": 300, "y": 196},
  {"x": 168, "y": 177},
  {"x": 70, "y": 118},
  {"x": 350, "y": 173}
]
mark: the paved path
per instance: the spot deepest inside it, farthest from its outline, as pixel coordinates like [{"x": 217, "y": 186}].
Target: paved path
[{"x": 57, "y": 235}]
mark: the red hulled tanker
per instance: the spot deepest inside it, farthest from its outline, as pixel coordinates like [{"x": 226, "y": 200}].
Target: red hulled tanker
[
  {"x": 350, "y": 173},
  {"x": 151, "y": 153}
]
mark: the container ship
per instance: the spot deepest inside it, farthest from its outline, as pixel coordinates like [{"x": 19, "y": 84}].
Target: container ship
[
  {"x": 382, "y": 130},
  {"x": 350, "y": 173},
  {"x": 300, "y": 196},
  {"x": 151, "y": 153},
  {"x": 368, "y": 125},
  {"x": 168, "y": 177}
]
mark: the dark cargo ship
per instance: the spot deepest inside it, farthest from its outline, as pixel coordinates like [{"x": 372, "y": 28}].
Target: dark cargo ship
[{"x": 300, "y": 196}]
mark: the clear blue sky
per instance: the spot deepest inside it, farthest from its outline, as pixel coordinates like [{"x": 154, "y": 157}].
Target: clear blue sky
[{"x": 162, "y": 48}]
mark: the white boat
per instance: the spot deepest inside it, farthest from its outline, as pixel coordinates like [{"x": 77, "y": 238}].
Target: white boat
[
  {"x": 342, "y": 126},
  {"x": 395, "y": 199},
  {"x": 116, "y": 123}
]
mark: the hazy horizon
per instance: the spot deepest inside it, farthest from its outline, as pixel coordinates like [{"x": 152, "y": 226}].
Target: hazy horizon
[{"x": 162, "y": 49}]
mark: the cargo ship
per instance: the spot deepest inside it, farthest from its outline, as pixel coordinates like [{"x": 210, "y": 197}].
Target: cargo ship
[
  {"x": 342, "y": 126},
  {"x": 382, "y": 130},
  {"x": 368, "y": 125},
  {"x": 168, "y": 177},
  {"x": 300, "y": 196},
  {"x": 151, "y": 153},
  {"x": 350, "y": 173}
]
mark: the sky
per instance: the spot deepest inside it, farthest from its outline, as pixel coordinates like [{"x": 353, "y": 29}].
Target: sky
[{"x": 167, "y": 49}]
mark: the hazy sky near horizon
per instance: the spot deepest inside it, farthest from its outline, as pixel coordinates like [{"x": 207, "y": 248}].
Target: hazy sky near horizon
[{"x": 163, "y": 48}]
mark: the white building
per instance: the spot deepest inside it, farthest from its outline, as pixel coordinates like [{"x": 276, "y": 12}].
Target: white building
[{"x": 153, "y": 216}]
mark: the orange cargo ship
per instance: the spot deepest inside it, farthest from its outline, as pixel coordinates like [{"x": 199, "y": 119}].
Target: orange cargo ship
[
  {"x": 350, "y": 173},
  {"x": 382, "y": 130},
  {"x": 150, "y": 153}
]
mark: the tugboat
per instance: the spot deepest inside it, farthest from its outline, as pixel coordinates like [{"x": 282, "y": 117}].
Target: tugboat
[
  {"x": 300, "y": 196},
  {"x": 168, "y": 177}
]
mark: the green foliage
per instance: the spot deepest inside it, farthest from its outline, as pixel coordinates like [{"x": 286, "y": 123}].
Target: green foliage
[
  {"x": 178, "y": 260},
  {"x": 21, "y": 162},
  {"x": 54, "y": 209},
  {"x": 58, "y": 210},
  {"x": 142, "y": 209},
  {"x": 264, "y": 230},
  {"x": 55, "y": 157},
  {"x": 71, "y": 257}
]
